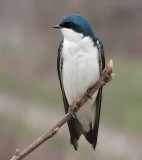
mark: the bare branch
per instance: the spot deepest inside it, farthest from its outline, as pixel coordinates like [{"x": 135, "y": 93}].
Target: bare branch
[{"x": 105, "y": 77}]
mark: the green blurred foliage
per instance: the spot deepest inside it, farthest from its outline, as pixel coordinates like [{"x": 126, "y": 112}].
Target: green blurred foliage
[{"x": 122, "y": 98}]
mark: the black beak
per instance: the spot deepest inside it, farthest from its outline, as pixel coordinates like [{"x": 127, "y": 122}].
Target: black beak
[{"x": 57, "y": 27}]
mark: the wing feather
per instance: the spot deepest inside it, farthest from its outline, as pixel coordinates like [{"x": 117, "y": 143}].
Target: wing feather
[{"x": 99, "y": 96}]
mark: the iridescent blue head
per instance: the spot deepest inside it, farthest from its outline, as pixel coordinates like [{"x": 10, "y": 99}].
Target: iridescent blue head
[{"x": 78, "y": 24}]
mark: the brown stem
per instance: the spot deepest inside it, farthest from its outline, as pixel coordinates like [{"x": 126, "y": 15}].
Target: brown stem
[{"x": 105, "y": 77}]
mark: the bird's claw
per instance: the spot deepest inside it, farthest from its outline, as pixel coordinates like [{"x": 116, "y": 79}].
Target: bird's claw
[
  {"x": 89, "y": 94},
  {"x": 70, "y": 110}
]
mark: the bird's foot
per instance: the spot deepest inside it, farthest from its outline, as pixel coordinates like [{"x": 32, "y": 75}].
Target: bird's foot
[
  {"x": 70, "y": 110},
  {"x": 89, "y": 94}
]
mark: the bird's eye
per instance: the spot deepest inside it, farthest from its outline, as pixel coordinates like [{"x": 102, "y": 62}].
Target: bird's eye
[
  {"x": 67, "y": 25},
  {"x": 71, "y": 24}
]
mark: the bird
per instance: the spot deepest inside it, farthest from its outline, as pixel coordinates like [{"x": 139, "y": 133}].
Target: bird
[{"x": 80, "y": 61}]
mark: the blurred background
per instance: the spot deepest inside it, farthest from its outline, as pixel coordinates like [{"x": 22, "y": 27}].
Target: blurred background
[{"x": 30, "y": 96}]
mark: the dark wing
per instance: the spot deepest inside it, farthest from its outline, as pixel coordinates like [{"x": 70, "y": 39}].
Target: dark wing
[
  {"x": 102, "y": 56},
  {"x": 92, "y": 135},
  {"x": 73, "y": 124},
  {"x": 59, "y": 69},
  {"x": 95, "y": 128}
]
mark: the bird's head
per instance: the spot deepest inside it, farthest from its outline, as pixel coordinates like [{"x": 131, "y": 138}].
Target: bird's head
[{"x": 75, "y": 27}]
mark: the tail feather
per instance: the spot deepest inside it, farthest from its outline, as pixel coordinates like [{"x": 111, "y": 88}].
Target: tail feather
[
  {"x": 74, "y": 142},
  {"x": 88, "y": 135},
  {"x": 75, "y": 130},
  {"x": 90, "y": 138}
]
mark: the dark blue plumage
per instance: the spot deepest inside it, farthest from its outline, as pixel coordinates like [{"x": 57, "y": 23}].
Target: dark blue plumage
[{"x": 79, "y": 24}]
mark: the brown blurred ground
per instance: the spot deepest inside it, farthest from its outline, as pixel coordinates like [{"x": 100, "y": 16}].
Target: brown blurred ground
[{"x": 30, "y": 98}]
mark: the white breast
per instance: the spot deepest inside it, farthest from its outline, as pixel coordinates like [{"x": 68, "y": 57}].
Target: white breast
[{"x": 80, "y": 72}]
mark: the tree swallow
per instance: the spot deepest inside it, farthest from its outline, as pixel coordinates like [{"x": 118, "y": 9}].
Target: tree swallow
[{"x": 79, "y": 63}]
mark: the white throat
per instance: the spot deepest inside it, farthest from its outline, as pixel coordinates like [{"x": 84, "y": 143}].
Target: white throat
[{"x": 71, "y": 35}]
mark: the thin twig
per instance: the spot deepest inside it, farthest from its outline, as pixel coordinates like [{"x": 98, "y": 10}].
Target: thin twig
[{"x": 105, "y": 77}]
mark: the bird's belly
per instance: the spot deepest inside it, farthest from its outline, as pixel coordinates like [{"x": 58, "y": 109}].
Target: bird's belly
[{"x": 79, "y": 74}]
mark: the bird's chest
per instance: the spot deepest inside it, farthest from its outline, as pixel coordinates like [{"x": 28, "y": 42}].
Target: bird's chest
[{"x": 80, "y": 68}]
